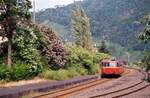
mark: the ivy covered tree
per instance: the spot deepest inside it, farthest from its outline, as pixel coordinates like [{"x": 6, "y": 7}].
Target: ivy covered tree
[
  {"x": 12, "y": 16},
  {"x": 81, "y": 27},
  {"x": 145, "y": 37}
]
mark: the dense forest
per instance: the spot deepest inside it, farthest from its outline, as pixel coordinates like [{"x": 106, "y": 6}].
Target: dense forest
[{"x": 116, "y": 21}]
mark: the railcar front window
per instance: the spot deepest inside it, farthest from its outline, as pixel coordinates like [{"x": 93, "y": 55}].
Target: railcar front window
[{"x": 112, "y": 64}]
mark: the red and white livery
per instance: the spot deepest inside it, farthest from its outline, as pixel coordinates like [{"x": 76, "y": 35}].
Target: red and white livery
[{"x": 111, "y": 67}]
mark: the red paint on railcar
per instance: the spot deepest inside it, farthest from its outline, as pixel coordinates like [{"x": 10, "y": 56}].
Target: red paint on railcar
[{"x": 111, "y": 67}]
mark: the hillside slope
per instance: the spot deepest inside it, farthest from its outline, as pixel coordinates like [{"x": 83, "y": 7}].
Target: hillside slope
[{"x": 114, "y": 20}]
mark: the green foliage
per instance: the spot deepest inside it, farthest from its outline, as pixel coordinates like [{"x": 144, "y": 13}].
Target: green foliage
[
  {"x": 56, "y": 75},
  {"x": 63, "y": 74},
  {"x": 25, "y": 42},
  {"x": 120, "y": 52},
  {"x": 81, "y": 28},
  {"x": 145, "y": 36},
  {"x": 76, "y": 71},
  {"x": 108, "y": 19},
  {"x": 146, "y": 60},
  {"x": 102, "y": 48},
  {"x": 11, "y": 18},
  {"x": 4, "y": 73},
  {"x": 19, "y": 71},
  {"x": 79, "y": 57},
  {"x": 30, "y": 45},
  {"x": 27, "y": 61},
  {"x": 115, "y": 19}
]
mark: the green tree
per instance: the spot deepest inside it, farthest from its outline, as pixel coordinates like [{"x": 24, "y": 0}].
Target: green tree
[
  {"x": 11, "y": 16},
  {"x": 145, "y": 36},
  {"x": 102, "y": 48},
  {"x": 81, "y": 27},
  {"x": 146, "y": 60}
]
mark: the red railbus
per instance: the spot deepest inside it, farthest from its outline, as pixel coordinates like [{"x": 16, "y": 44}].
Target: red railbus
[{"x": 111, "y": 67}]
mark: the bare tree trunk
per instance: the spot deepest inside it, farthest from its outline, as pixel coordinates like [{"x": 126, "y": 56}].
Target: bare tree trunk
[{"x": 9, "y": 56}]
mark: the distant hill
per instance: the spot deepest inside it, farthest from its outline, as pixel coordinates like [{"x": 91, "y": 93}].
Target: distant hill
[{"x": 114, "y": 20}]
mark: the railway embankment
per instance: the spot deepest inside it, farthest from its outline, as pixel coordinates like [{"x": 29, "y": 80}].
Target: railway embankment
[{"x": 16, "y": 92}]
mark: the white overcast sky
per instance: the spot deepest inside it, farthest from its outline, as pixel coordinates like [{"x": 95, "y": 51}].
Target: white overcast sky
[{"x": 43, "y": 4}]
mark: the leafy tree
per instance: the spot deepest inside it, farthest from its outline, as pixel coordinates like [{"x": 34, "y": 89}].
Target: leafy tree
[
  {"x": 25, "y": 44},
  {"x": 81, "y": 27},
  {"x": 145, "y": 36},
  {"x": 12, "y": 15},
  {"x": 53, "y": 48},
  {"x": 102, "y": 48},
  {"x": 146, "y": 60}
]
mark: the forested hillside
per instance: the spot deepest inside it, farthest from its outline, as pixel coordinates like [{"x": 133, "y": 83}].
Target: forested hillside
[{"x": 116, "y": 20}]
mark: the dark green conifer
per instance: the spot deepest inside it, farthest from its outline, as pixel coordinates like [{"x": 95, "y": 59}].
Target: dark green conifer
[{"x": 81, "y": 27}]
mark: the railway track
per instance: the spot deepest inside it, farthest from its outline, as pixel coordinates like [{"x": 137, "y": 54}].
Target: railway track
[
  {"x": 72, "y": 89},
  {"x": 63, "y": 92},
  {"x": 123, "y": 92}
]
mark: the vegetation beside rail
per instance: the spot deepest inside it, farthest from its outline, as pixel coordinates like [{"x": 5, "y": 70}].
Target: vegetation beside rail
[{"x": 36, "y": 50}]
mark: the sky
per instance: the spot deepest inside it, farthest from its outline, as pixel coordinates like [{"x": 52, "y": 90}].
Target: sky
[{"x": 43, "y": 4}]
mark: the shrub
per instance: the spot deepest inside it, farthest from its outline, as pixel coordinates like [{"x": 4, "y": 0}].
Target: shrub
[
  {"x": 4, "y": 73},
  {"x": 146, "y": 60},
  {"x": 84, "y": 60},
  {"x": 62, "y": 74},
  {"x": 24, "y": 71},
  {"x": 74, "y": 72},
  {"x": 81, "y": 70},
  {"x": 53, "y": 48},
  {"x": 25, "y": 46},
  {"x": 94, "y": 68},
  {"x": 19, "y": 71},
  {"x": 97, "y": 57},
  {"x": 56, "y": 75},
  {"x": 78, "y": 70}
]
